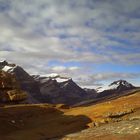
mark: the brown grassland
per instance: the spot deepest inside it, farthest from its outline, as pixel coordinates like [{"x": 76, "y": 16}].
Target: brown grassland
[{"x": 44, "y": 121}]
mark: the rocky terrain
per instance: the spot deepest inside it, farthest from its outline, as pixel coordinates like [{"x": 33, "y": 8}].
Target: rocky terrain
[
  {"x": 117, "y": 119},
  {"x": 26, "y": 82},
  {"x": 57, "y": 89},
  {"x": 115, "y": 88},
  {"x": 48, "y": 88},
  {"x": 124, "y": 130},
  {"x": 9, "y": 89}
]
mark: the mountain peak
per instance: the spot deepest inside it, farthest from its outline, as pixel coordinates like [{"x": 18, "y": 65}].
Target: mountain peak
[
  {"x": 122, "y": 83},
  {"x": 118, "y": 85},
  {"x": 3, "y": 63},
  {"x": 5, "y": 66},
  {"x": 51, "y": 75},
  {"x": 57, "y": 77}
]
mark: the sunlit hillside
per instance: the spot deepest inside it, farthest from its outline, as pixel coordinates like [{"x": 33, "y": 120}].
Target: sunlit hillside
[{"x": 43, "y": 121}]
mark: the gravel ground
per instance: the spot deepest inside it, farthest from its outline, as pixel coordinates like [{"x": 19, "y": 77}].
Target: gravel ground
[{"x": 123, "y": 130}]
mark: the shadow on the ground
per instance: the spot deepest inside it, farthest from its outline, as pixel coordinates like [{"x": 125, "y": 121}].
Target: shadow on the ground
[{"x": 38, "y": 123}]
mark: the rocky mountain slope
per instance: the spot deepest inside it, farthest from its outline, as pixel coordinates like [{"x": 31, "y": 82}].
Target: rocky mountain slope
[
  {"x": 57, "y": 89},
  {"x": 119, "y": 85},
  {"x": 27, "y": 83},
  {"x": 50, "y": 88},
  {"x": 9, "y": 89},
  {"x": 115, "y": 88}
]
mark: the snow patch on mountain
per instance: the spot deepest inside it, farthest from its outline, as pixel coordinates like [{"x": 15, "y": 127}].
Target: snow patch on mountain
[
  {"x": 54, "y": 76},
  {"x": 115, "y": 85},
  {"x": 8, "y": 68},
  {"x": 2, "y": 61},
  {"x": 61, "y": 79},
  {"x": 51, "y": 75},
  {"x": 101, "y": 89}
]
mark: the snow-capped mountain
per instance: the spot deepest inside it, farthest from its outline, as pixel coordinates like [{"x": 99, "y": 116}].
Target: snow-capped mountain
[
  {"x": 55, "y": 88},
  {"x": 120, "y": 84},
  {"x": 115, "y": 88},
  {"x": 8, "y": 68},
  {"x": 18, "y": 71},
  {"x": 26, "y": 81},
  {"x": 60, "y": 89},
  {"x": 116, "y": 85},
  {"x": 52, "y": 76},
  {"x": 48, "y": 88}
]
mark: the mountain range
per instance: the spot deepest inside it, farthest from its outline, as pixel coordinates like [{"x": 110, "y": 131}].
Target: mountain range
[{"x": 55, "y": 89}]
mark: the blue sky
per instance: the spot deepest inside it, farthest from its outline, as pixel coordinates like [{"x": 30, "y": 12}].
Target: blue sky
[{"x": 92, "y": 41}]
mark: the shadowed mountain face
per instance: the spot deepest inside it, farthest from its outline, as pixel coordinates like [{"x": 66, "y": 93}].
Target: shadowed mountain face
[
  {"x": 49, "y": 88},
  {"x": 26, "y": 81},
  {"x": 57, "y": 89}
]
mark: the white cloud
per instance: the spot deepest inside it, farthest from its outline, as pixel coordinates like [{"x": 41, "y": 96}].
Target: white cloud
[
  {"x": 36, "y": 32},
  {"x": 73, "y": 68},
  {"x": 96, "y": 80},
  {"x": 59, "y": 68}
]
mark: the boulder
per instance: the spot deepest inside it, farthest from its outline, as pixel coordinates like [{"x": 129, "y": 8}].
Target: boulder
[{"x": 9, "y": 88}]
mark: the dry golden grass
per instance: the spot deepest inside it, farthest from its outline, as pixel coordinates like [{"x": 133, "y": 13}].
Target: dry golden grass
[
  {"x": 42, "y": 121},
  {"x": 98, "y": 111}
]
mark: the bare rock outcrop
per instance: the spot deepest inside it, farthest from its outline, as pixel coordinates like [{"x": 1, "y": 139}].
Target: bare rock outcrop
[{"x": 9, "y": 88}]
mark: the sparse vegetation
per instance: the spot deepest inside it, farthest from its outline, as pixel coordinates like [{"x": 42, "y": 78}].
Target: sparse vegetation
[{"x": 43, "y": 121}]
